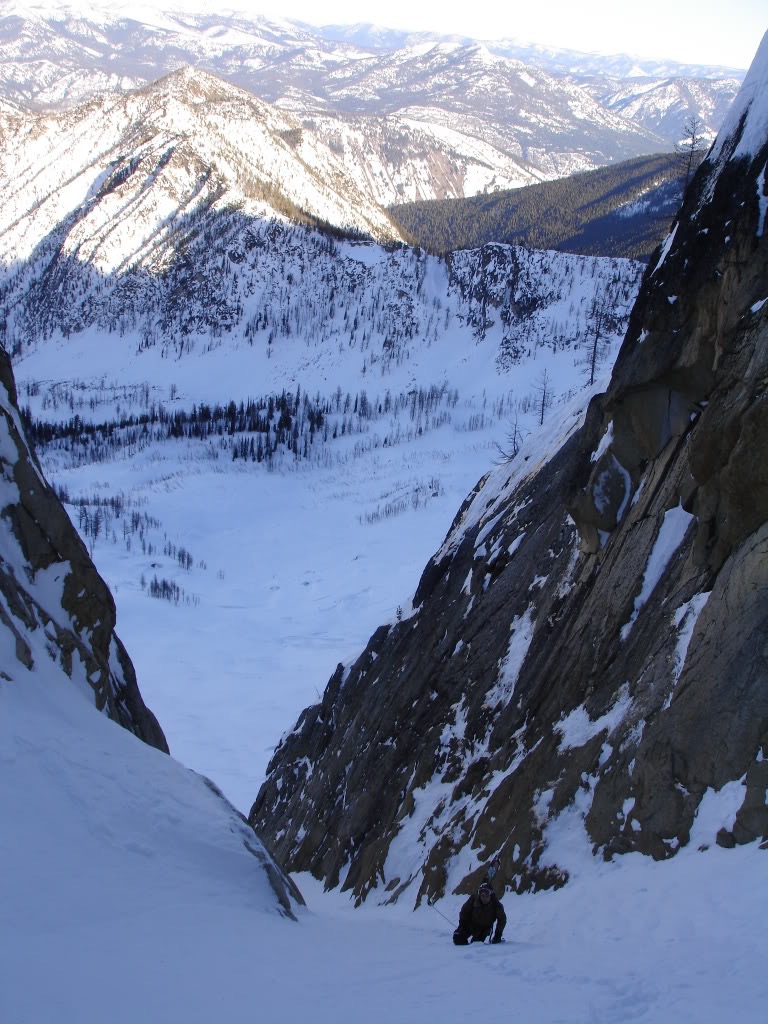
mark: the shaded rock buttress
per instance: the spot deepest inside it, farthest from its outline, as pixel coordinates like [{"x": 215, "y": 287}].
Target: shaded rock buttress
[
  {"x": 590, "y": 643},
  {"x": 50, "y": 587}
]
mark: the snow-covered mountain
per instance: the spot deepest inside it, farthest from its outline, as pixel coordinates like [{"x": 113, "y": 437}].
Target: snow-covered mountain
[
  {"x": 666, "y": 105},
  {"x": 426, "y": 118},
  {"x": 122, "y": 172},
  {"x": 552, "y": 59},
  {"x": 659, "y": 95},
  {"x": 168, "y": 216},
  {"x": 290, "y": 302}
]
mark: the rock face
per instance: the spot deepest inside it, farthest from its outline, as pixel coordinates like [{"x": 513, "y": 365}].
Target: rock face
[
  {"x": 590, "y": 644},
  {"x": 53, "y": 603}
]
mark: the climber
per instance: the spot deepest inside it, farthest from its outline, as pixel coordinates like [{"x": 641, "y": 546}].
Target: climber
[
  {"x": 491, "y": 871},
  {"x": 478, "y": 915}
]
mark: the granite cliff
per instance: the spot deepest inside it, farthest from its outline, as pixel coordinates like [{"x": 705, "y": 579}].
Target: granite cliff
[
  {"x": 590, "y": 643},
  {"x": 53, "y": 603}
]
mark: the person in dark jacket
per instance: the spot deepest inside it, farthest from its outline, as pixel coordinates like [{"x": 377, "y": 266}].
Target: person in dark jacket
[{"x": 478, "y": 916}]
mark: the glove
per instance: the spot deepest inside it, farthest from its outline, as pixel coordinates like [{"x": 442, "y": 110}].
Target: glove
[{"x": 495, "y": 939}]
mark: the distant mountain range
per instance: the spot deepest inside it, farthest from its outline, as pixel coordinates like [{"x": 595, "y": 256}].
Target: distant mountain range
[
  {"x": 557, "y": 61},
  {"x": 409, "y": 117}
]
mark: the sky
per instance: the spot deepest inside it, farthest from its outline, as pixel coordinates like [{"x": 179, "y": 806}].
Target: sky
[
  {"x": 715, "y": 32},
  {"x": 697, "y": 31}
]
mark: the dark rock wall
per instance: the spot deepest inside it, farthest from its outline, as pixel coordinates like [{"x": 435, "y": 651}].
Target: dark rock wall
[
  {"x": 49, "y": 586},
  {"x": 593, "y": 634}
]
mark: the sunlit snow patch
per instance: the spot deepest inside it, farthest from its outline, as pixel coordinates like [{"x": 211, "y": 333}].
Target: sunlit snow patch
[
  {"x": 671, "y": 536},
  {"x": 577, "y": 728},
  {"x": 686, "y": 617}
]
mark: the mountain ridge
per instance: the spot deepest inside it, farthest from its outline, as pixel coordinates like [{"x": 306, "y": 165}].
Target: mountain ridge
[
  {"x": 494, "y": 121},
  {"x": 555, "y": 58},
  {"x": 160, "y": 152}
]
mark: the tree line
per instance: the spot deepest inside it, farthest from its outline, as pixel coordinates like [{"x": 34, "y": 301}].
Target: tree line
[{"x": 256, "y": 429}]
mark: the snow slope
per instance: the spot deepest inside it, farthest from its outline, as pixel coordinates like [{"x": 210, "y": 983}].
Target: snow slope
[{"x": 128, "y": 893}]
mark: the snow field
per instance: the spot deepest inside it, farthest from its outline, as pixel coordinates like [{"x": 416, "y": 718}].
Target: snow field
[
  {"x": 292, "y": 570},
  {"x": 128, "y": 894}
]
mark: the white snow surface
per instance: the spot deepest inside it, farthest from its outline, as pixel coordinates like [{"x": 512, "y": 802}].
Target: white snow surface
[
  {"x": 751, "y": 100},
  {"x": 128, "y": 894},
  {"x": 521, "y": 634},
  {"x": 671, "y": 535},
  {"x": 686, "y": 618},
  {"x": 668, "y": 241},
  {"x": 762, "y": 202},
  {"x": 577, "y": 728}
]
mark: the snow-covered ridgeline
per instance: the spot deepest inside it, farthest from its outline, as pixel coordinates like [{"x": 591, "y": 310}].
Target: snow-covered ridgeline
[
  {"x": 126, "y": 168},
  {"x": 434, "y": 118},
  {"x": 751, "y": 107},
  {"x": 740, "y": 140},
  {"x": 222, "y": 280}
]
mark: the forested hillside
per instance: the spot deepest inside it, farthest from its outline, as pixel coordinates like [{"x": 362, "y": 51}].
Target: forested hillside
[{"x": 621, "y": 210}]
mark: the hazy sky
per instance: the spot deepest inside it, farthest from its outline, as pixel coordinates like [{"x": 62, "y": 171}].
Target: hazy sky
[
  {"x": 724, "y": 32},
  {"x": 703, "y": 31}
]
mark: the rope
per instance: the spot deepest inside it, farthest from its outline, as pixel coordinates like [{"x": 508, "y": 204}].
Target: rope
[{"x": 441, "y": 914}]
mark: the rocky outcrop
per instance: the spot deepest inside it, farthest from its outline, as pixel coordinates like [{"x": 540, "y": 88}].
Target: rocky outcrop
[
  {"x": 53, "y": 603},
  {"x": 588, "y": 651}
]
